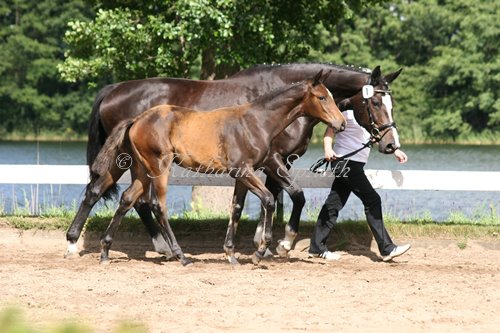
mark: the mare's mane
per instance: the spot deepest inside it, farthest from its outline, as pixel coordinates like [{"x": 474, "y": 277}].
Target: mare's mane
[{"x": 268, "y": 67}]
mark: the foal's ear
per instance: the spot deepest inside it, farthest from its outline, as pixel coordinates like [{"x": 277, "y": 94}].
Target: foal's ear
[
  {"x": 325, "y": 76},
  {"x": 392, "y": 76},
  {"x": 317, "y": 78},
  {"x": 344, "y": 104}
]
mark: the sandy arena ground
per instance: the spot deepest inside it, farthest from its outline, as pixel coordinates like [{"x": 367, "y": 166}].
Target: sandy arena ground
[{"x": 436, "y": 287}]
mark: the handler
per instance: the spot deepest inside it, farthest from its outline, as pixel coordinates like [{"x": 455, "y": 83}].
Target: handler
[{"x": 352, "y": 179}]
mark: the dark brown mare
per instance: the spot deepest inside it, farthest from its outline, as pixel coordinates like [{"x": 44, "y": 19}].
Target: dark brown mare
[
  {"x": 126, "y": 100},
  {"x": 233, "y": 140}
]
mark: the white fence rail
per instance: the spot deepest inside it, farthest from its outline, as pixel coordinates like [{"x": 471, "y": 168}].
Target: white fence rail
[{"x": 382, "y": 179}]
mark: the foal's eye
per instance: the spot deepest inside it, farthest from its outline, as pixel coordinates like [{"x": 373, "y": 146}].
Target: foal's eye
[{"x": 322, "y": 98}]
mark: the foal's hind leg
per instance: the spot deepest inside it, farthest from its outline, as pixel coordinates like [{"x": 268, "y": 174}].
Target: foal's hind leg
[
  {"x": 240, "y": 191},
  {"x": 95, "y": 189},
  {"x": 127, "y": 201}
]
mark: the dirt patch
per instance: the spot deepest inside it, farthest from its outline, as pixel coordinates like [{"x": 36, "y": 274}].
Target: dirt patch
[{"x": 436, "y": 287}]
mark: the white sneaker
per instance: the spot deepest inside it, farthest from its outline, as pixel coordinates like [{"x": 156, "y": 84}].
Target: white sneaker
[
  {"x": 398, "y": 250},
  {"x": 327, "y": 255}
]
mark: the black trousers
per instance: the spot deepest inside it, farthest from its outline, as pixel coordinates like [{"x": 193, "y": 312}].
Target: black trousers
[{"x": 351, "y": 179}]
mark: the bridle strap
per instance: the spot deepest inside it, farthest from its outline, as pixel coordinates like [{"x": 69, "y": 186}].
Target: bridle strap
[{"x": 374, "y": 138}]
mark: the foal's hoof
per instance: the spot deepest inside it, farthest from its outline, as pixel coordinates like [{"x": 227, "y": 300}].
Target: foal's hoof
[
  {"x": 257, "y": 257},
  {"x": 186, "y": 262},
  {"x": 104, "y": 261}
]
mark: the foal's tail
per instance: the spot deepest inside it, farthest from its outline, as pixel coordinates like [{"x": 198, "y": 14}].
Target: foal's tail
[{"x": 109, "y": 152}]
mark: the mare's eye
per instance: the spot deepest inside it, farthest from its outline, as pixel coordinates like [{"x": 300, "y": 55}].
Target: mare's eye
[
  {"x": 322, "y": 98},
  {"x": 376, "y": 103}
]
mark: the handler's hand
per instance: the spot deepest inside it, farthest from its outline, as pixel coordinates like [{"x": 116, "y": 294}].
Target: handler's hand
[
  {"x": 401, "y": 156},
  {"x": 330, "y": 154}
]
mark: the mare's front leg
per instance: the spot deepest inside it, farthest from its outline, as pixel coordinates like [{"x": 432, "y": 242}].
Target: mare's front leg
[
  {"x": 127, "y": 201},
  {"x": 239, "y": 194},
  {"x": 256, "y": 186},
  {"x": 159, "y": 204},
  {"x": 94, "y": 191}
]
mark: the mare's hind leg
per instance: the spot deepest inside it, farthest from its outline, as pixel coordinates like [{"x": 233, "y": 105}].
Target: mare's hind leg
[
  {"x": 239, "y": 194},
  {"x": 95, "y": 189},
  {"x": 143, "y": 209},
  {"x": 127, "y": 201},
  {"x": 159, "y": 205}
]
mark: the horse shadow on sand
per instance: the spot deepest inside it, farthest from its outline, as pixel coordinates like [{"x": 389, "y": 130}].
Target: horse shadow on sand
[{"x": 207, "y": 246}]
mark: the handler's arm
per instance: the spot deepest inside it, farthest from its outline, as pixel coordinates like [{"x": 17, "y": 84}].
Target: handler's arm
[{"x": 328, "y": 143}]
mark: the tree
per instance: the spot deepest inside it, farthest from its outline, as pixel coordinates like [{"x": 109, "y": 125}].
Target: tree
[
  {"x": 181, "y": 37},
  {"x": 32, "y": 95}
]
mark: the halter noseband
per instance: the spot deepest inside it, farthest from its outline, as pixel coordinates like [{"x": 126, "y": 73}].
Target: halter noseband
[{"x": 374, "y": 137}]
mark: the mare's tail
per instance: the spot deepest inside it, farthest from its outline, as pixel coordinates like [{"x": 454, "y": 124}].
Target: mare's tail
[
  {"x": 96, "y": 138},
  {"x": 107, "y": 156}
]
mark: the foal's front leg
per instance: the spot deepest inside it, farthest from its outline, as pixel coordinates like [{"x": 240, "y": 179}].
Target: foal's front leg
[
  {"x": 279, "y": 178},
  {"x": 256, "y": 186},
  {"x": 127, "y": 201},
  {"x": 160, "y": 185}
]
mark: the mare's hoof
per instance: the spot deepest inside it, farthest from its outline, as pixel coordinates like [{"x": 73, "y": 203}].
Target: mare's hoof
[
  {"x": 72, "y": 251},
  {"x": 71, "y": 255},
  {"x": 282, "y": 251},
  {"x": 233, "y": 261}
]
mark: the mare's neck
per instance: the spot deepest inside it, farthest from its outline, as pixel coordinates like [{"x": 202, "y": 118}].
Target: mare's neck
[{"x": 343, "y": 82}]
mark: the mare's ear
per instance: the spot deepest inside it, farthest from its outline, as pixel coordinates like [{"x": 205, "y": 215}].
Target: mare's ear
[
  {"x": 344, "y": 104},
  {"x": 375, "y": 77},
  {"x": 317, "y": 78},
  {"x": 391, "y": 77}
]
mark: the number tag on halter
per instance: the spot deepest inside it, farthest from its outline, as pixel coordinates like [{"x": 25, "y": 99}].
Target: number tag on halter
[{"x": 368, "y": 91}]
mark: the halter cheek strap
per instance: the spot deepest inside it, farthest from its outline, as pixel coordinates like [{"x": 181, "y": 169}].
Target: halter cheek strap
[{"x": 374, "y": 138}]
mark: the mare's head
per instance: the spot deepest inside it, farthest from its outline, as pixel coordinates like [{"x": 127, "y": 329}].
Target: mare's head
[
  {"x": 319, "y": 103},
  {"x": 373, "y": 110}
]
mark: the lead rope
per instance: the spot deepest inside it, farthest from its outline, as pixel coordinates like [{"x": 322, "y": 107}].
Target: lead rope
[{"x": 322, "y": 161}]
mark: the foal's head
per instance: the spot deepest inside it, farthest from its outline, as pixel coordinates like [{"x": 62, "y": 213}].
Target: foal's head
[
  {"x": 373, "y": 110},
  {"x": 319, "y": 103}
]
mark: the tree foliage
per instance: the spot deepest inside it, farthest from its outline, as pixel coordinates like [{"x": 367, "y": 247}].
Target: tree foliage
[
  {"x": 449, "y": 49},
  {"x": 32, "y": 94},
  {"x": 166, "y": 38},
  {"x": 52, "y": 50}
]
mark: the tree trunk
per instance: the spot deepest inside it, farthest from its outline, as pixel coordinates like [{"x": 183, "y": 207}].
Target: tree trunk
[{"x": 211, "y": 71}]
